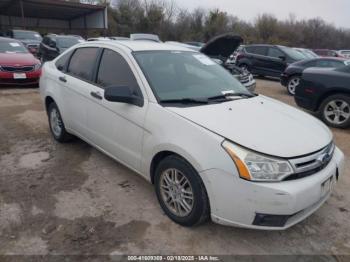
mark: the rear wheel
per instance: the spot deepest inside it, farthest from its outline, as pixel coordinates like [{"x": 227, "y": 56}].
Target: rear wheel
[
  {"x": 292, "y": 84},
  {"x": 181, "y": 192},
  {"x": 335, "y": 111},
  {"x": 57, "y": 127}
]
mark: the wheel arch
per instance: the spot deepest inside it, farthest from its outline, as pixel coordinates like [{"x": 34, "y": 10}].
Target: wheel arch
[
  {"x": 335, "y": 91},
  {"x": 159, "y": 156},
  {"x": 48, "y": 101}
]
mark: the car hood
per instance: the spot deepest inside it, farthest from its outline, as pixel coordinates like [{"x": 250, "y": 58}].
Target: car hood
[
  {"x": 262, "y": 124},
  {"x": 222, "y": 46},
  {"x": 18, "y": 59}
]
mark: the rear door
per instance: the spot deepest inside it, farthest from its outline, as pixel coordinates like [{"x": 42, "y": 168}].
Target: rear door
[
  {"x": 276, "y": 65},
  {"x": 78, "y": 82},
  {"x": 259, "y": 60}
]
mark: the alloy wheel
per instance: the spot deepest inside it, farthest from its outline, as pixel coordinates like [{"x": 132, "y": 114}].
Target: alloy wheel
[
  {"x": 176, "y": 192},
  {"x": 293, "y": 84},
  {"x": 337, "y": 112}
]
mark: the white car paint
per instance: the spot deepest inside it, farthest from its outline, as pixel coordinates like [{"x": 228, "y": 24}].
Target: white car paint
[{"x": 134, "y": 135}]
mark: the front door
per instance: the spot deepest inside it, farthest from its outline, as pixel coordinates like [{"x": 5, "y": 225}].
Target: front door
[{"x": 117, "y": 128}]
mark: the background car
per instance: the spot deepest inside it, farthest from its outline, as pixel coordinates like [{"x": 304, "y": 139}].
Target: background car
[
  {"x": 327, "y": 92},
  {"x": 307, "y": 52},
  {"x": 17, "y": 65},
  {"x": 198, "y": 44},
  {"x": 30, "y": 39},
  {"x": 325, "y": 52},
  {"x": 344, "y": 53},
  {"x": 267, "y": 60},
  {"x": 53, "y": 45},
  {"x": 290, "y": 78},
  {"x": 220, "y": 48},
  {"x": 145, "y": 37}
]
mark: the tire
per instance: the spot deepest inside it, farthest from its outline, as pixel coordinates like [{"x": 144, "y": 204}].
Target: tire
[
  {"x": 335, "y": 111},
  {"x": 197, "y": 210},
  {"x": 56, "y": 124},
  {"x": 293, "y": 83}
]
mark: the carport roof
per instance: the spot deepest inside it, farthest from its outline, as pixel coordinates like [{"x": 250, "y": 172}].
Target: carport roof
[{"x": 47, "y": 9}]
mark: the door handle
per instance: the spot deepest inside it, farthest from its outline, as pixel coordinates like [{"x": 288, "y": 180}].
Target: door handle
[
  {"x": 62, "y": 79},
  {"x": 96, "y": 95}
]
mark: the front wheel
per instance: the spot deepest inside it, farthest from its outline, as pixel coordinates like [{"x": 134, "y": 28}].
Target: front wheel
[
  {"x": 292, "y": 84},
  {"x": 335, "y": 111},
  {"x": 181, "y": 192}
]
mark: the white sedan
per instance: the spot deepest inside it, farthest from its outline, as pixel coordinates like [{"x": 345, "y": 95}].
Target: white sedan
[{"x": 211, "y": 148}]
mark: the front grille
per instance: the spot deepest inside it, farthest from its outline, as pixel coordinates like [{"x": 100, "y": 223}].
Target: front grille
[
  {"x": 17, "y": 69},
  {"x": 244, "y": 78},
  {"x": 312, "y": 164}
]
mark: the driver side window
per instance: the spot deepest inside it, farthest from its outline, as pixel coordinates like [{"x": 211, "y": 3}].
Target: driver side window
[{"x": 115, "y": 71}]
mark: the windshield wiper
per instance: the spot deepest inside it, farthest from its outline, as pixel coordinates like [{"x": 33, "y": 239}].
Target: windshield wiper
[
  {"x": 230, "y": 95},
  {"x": 184, "y": 101}
]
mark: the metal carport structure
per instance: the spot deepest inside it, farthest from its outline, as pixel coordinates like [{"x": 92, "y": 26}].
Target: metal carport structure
[{"x": 52, "y": 15}]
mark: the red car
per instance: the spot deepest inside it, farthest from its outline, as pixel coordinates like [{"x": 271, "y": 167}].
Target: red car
[{"x": 17, "y": 65}]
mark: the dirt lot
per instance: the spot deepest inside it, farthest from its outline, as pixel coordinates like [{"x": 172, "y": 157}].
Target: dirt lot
[{"x": 71, "y": 199}]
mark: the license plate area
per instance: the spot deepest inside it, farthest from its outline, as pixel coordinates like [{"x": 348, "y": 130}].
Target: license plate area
[
  {"x": 327, "y": 186},
  {"x": 19, "y": 76}
]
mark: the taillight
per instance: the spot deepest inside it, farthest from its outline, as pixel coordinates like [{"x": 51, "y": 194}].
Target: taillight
[{"x": 309, "y": 90}]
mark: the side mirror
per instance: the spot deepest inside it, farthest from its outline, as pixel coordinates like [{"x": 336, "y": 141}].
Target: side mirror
[
  {"x": 282, "y": 57},
  {"x": 122, "y": 94}
]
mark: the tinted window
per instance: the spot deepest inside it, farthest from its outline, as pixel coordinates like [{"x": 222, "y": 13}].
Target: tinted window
[
  {"x": 82, "y": 62},
  {"x": 329, "y": 63},
  {"x": 115, "y": 71},
  {"x": 63, "y": 61},
  {"x": 274, "y": 52},
  {"x": 66, "y": 42},
  {"x": 258, "y": 50}
]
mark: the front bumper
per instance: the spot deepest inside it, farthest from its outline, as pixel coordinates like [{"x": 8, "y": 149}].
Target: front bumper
[
  {"x": 31, "y": 78},
  {"x": 236, "y": 202},
  {"x": 284, "y": 79},
  {"x": 251, "y": 86}
]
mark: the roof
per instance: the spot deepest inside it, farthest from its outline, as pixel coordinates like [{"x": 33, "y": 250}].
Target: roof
[
  {"x": 140, "y": 45},
  {"x": 49, "y": 9}
]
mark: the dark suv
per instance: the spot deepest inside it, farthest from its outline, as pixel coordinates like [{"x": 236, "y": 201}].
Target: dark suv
[
  {"x": 267, "y": 60},
  {"x": 53, "y": 45}
]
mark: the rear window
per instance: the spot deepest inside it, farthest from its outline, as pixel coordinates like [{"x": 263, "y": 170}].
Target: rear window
[
  {"x": 66, "y": 42},
  {"x": 82, "y": 63}
]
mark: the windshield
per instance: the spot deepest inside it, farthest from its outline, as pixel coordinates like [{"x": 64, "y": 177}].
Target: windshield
[
  {"x": 26, "y": 35},
  {"x": 66, "y": 42},
  {"x": 186, "y": 75},
  {"x": 12, "y": 47},
  {"x": 294, "y": 54}
]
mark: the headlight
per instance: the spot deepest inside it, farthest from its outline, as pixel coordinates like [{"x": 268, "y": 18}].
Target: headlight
[
  {"x": 37, "y": 66},
  {"x": 257, "y": 167}
]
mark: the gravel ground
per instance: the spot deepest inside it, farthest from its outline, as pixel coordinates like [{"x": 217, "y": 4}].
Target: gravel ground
[{"x": 71, "y": 199}]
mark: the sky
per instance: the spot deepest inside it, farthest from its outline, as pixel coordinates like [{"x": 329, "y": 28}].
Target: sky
[{"x": 336, "y": 12}]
